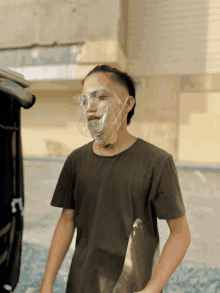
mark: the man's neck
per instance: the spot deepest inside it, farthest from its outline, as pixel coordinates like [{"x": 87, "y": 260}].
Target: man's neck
[{"x": 125, "y": 140}]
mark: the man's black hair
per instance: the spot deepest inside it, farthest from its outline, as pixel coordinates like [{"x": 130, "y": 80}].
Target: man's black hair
[{"x": 119, "y": 77}]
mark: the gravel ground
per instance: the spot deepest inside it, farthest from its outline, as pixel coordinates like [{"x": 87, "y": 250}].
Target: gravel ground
[{"x": 198, "y": 272}]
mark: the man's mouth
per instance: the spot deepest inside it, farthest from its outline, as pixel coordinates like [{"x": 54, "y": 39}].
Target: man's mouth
[{"x": 93, "y": 118}]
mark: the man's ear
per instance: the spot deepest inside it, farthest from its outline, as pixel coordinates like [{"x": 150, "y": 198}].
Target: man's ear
[{"x": 130, "y": 103}]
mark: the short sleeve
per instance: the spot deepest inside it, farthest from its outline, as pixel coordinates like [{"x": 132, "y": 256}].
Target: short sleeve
[
  {"x": 168, "y": 201},
  {"x": 63, "y": 195}
]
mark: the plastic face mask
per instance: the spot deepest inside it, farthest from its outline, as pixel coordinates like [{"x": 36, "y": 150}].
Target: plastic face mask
[{"x": 101, "y": 112}]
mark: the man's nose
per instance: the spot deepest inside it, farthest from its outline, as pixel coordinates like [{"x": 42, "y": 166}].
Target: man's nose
[{"x": 91, "y": 107}]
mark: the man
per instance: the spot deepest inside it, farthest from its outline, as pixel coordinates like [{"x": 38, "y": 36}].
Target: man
[{"x": 110, "y": 189}]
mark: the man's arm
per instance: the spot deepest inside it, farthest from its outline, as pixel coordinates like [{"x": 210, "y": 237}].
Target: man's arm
[
  {"x": 61, "y": 241},
  {"x": 171, "y": 256}
]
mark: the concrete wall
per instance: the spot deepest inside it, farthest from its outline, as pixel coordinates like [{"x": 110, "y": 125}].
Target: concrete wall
[
  {"x": 199, "y": 119},
  {"x": 199, "y": 127},
  {"x": 158, "y": 42},
  {"x": 156, "y": 114},
  {"x": 173, "y": 37},
  {"x": 50, "y": 127},
  {"x": 29, "y": 22},
  {"x": 178, "y": 114}
]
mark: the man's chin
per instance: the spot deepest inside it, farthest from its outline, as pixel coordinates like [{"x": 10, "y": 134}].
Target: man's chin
[
  {"x": 99, "y": 138},
  {"x": 104, "y": 142},
  {"x": 101, "y": 142},
  {"x": 104, "y": 139}
]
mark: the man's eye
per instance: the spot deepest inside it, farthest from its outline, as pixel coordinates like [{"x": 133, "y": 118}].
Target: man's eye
[
  {"x": 101, "y": 97},
  {"x": 84, "y": 102}
]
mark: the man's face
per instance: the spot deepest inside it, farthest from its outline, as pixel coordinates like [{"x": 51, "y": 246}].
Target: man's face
[{"x": 103, "y": 102}]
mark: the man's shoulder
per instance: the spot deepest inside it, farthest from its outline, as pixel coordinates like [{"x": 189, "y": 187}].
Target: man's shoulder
[
  {"x": 152, "y": 151},
  {"x": 76, "y": 153}
]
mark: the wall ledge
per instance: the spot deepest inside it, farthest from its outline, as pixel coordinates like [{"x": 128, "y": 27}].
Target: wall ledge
[{"x": 103, "y": 52}]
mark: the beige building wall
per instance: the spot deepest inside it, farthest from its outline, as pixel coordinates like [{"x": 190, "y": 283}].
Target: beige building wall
[
  {"x": 179, "y": 39},
  {"x": 199, "y": 127},
  {"x": 172, "y": 37},
  {"x": 181, "y": 114},
  {"x": 199, "y": 119},
  {"x": 156, "y": 114},
  {"x": 177, "y": 114},
  {"x": 25, "y": 23},
  {"x": 170, "y": 47},
  {"x": 50, "y": 128}
]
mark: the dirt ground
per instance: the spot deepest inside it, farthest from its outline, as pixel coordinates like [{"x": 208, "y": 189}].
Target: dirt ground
[{"x": 198, "y": 272}]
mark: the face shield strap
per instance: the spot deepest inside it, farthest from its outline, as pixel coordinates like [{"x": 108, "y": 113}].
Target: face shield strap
[
  {"x": 116, "y": 119},
  {"x": 121, "y": 111}
]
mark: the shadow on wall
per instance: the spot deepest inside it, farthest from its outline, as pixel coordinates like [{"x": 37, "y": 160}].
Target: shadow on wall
[{"x": 56, "y": 148}]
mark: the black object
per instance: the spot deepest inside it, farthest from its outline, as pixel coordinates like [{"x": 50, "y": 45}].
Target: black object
[{"x": 12, "y": 97}]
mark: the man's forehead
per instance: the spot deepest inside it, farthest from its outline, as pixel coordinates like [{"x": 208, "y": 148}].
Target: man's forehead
[
  {"x": 94, "y": 90},
  {"x": 100, "y": 80}
]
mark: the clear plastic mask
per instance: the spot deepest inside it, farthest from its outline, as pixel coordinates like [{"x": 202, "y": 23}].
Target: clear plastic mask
[{"x": 100, "y": 115}]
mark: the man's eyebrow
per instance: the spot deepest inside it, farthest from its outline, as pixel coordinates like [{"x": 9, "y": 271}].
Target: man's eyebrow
[{"x": 97, "y": 91}]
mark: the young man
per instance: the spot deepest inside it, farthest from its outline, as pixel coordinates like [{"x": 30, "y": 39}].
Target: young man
[{"x": 106, "y": 189}]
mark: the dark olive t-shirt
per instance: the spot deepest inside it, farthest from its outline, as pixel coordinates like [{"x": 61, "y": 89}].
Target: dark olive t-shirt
[{"x": 108, "y": 193}]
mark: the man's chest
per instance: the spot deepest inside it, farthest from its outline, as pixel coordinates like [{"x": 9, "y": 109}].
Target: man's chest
[
  {"x": 114, "y": 177},
  {"x": 112, "y": 188}
]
